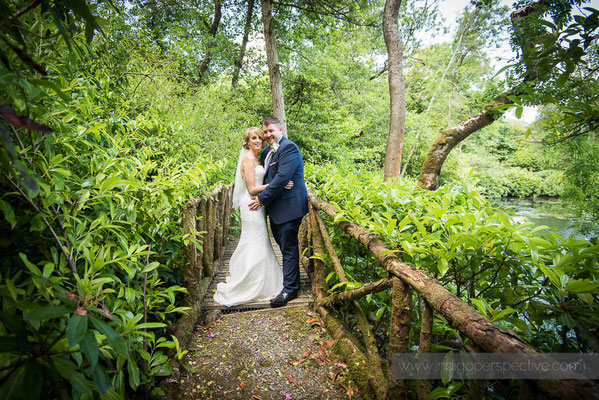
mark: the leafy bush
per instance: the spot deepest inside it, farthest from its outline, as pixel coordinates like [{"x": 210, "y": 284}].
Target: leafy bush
[
  {"x": 94, "y": 180},
  {"x": 513, "y": 273}
]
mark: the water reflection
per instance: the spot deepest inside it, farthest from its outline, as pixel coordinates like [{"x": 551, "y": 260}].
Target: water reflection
[{"x": 551, "y": 212}]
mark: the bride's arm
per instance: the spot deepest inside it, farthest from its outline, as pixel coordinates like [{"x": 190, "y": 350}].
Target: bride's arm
[{"x": 247, "y": 171}]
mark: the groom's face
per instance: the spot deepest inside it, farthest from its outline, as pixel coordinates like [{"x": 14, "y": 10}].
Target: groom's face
[{"x": 272, "y": 133}]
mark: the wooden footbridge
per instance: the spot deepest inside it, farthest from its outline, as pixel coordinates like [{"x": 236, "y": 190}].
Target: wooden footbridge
[
  {"x": 206, "y": 222},
  {"x": 208, "y": 304}
]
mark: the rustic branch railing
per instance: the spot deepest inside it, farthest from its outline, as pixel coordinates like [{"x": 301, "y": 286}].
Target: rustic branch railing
[
  {"x": 206, "y": 219},
  {"x": 432, "y": 298}
]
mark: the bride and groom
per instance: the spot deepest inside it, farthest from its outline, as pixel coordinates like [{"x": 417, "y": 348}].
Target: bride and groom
[{"x": 273, "y": 181}]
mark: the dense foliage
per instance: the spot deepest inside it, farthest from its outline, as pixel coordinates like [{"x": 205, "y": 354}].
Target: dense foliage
[
  {"x": 94, "y": 180},
  {"x": 524, "y": 278}
]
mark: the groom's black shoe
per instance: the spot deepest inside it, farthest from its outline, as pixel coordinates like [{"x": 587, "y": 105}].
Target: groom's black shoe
[{"x": 282, "y": 298}]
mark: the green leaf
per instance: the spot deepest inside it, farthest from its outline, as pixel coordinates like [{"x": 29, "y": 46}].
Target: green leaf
[
  {"x": 46, "y": 313},
  {"x": 528, "y": 133},
  {"x": 419, "y": 226},
  {"x": 151, "y": 267},
  {"x": 150, "y": 325},
  {"x": 81, "y": 9},
  {"x": 519, "y": 111},
  {"x": 442, "y": 266},
  {"x": 69, "y": 371},
  {"x": 481, "y": 305},
  {"x": 12, "y": 387},
  {"x": 133, "y": 371},
  {"x": 100, "y": 379},
  {"x": 30, "y": 266},
  {"x": 116, "y": 342},
  {"x": 9, "y": 213},
  {"x": 52, "y": 86},
  {"x": 581, "y": 286},
  {"x": 551, "y": 275},
  {"x": 448, "y": 392},
  {"x": 33, "y": 381},
  {"x": 76, "y": 329},
  {"x": 11, "y": 289},
  {"x": 504, "y": 313},
  {"x": 89, "y": 347}
]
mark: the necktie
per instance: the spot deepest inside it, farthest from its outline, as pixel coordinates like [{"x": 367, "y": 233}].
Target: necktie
[{"x": 267, "y": 160}]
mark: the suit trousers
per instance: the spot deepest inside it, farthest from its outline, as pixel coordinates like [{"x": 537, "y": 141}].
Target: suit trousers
[{"x": 285, "y": 235}]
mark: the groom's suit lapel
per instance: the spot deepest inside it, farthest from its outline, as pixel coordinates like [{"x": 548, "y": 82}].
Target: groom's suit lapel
[{"x": 274, "y": 159}]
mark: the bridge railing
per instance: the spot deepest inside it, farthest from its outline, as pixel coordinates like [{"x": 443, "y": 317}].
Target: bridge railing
[
  {"x": 432, "y": 298},
  {"x": 206, "y": 221}
]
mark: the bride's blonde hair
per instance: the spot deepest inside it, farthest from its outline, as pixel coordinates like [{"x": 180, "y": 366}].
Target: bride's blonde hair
[{"x": 248, "y": 134}]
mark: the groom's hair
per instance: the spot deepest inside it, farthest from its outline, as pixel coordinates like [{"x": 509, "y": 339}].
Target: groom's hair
[{"x": 271, "y": 121}]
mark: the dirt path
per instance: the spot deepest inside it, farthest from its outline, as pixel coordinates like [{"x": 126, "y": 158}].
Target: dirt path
[{"x": 268, "y": 354}]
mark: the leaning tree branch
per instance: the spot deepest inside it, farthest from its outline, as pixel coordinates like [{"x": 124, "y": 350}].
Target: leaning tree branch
[
  {"x": 449, "y": 138},
  {"x": 25, "y": 9},
  {"x": 354, "y": 294}
]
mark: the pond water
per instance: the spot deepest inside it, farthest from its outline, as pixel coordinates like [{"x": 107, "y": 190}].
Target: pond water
[{"x": 551, "y": 212}]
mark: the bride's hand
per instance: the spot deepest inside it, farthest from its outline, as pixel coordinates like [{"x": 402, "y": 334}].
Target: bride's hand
[{"x": 289, "y": 185}]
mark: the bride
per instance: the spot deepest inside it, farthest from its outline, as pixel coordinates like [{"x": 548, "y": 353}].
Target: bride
[{"x": 254, "y": 272}]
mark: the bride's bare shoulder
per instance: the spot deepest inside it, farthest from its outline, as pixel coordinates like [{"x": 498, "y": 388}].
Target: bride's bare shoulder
[{"x": 250, "y": 159}]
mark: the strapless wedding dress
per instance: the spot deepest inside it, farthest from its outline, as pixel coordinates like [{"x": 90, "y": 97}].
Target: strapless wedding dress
[{"x": 254, "y": 272}]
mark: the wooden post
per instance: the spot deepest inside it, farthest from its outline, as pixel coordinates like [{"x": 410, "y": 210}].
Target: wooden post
[
  {"x": 399, "y": 332},
  {"x": 220, "y": 223},
  {"x": 200, "y": 233},
  {"x": 190, "y": 251},
  {"x": 377, "y": 375},
  {"x": 426, "y": 331},
  {"x": 214, "y": 224},
  {"x": 327, "y": 241},
  {"x": 190, "y": 275},
  {"x": 209, "y": 239},
  {"x": 227, "y": 214},
  {"x": 345, "y": 342}
]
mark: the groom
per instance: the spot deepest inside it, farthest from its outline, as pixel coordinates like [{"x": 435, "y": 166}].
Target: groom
[{"x": 283, "y": 162}]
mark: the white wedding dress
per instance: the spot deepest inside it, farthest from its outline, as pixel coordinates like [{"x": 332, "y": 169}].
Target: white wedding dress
[{"x": 254, "y": 272}]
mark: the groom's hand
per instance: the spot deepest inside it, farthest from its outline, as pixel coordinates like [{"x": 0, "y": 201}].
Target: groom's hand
[{"x": 254, "y": 204}]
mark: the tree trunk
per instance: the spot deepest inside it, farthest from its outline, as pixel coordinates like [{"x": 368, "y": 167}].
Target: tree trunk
[
  {"x": 397, "y": 117},
  {"x": 431, "y": 168},
  {"x": 213, "y": 29},
  {"x": 449, "y": 138},
  {"x": 274, "y": 72},
  {"x": 244, "y": 42}
]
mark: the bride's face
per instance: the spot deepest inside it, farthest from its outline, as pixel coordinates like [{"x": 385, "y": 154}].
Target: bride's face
[{"x": 255, "y": 142}]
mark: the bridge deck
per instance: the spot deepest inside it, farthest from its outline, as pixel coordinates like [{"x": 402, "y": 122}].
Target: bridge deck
[{"x": 208, "y": 304}]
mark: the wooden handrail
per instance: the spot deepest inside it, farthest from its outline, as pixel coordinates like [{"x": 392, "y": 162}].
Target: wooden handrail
[
  {"x": 205, "y": 219},
  {"x": 487, "y": 336}
]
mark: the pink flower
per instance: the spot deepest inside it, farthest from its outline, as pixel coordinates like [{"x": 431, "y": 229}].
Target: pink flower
[
  {"x": 286, "y": 336},
  {"x": 287, "y": 396},
  {"x": 232, "y": 330},
  {"x": 309, "y": 313},
  {"x": 261, "y": 321},
  {"x": 253, "y": 315},
  {"x": 211, "y": 335}
]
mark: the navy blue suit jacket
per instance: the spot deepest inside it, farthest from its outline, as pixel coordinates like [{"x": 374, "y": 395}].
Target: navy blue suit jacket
[{"x": 286, "y": 164}]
